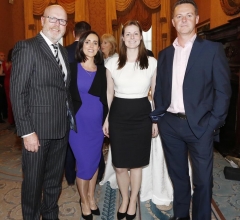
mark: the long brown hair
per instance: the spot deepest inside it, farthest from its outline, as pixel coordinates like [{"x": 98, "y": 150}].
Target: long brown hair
[{"x": 142, "y": 58}]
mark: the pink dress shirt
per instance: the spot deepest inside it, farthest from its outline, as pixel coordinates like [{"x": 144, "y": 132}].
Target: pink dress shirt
[{"x": 180, "y": 61}]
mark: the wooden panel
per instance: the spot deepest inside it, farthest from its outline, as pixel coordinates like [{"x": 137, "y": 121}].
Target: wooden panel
[
  {"x": 6, "y": 27},
  {"x": 228, "y": 35}
]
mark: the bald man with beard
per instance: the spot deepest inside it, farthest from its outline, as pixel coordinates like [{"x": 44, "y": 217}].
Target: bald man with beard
[{"x": 42, "y": 109}]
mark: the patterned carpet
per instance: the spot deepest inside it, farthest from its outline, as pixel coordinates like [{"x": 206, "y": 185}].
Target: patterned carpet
[{"x": 226, "y": 193}]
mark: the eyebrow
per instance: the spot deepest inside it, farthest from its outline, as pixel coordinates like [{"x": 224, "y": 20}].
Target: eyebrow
[
  {"x": 133, "y": 32},
  {"x": 90, "y": 40},
  {"x": 185, "y": 13}
]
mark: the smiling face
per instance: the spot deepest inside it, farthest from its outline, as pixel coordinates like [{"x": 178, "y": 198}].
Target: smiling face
[
  {"x": 53, "y": 31},
  {"x": 185, "y": 19},
  {"x": 90, "y": 45},
  {"x": 132, "y": 36}
]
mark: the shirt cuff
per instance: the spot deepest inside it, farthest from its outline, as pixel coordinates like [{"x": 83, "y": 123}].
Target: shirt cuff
[{"x": 27, "y": 135}]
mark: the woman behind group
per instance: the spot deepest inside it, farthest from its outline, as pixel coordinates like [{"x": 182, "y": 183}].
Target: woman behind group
[
  {"x": 108, "y": 47},
  {"x": 88, "y": 91},
  {"x": 130, "y": 128}
]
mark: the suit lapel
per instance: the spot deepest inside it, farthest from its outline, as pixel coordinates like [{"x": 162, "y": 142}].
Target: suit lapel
[
  {"x": 196, "y": 49},
  {"x": 46, "y": 50},
  {"x": 169, "y": 58},
  {"x": 65, "y": 58}
]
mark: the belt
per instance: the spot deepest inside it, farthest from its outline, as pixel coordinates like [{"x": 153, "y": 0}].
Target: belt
[{"x": 179, "y": 115}]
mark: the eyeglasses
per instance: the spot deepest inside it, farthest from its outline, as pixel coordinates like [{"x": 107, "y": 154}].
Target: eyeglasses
[{"x": 54, "y": 20}]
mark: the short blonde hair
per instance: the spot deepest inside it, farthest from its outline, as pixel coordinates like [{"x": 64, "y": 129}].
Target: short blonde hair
[{"x": 111, "y": 39}]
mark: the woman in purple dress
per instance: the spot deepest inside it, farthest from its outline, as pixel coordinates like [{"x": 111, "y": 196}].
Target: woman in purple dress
[{"x": 88, "y": 92}]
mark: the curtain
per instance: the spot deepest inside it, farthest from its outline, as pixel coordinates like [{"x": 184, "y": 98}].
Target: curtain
[
  {"x": 140, "y": 10},
  {"x": 111, "y": 15},
  {"x": 40, "y": 5},
  {"x": 153, "y": 4},
  {"x": 149, "y": 13}
]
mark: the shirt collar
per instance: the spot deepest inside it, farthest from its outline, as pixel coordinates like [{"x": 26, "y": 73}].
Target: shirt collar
[
  {"x": 46, "y": 39},
  {"x": 176, "y": 44}
]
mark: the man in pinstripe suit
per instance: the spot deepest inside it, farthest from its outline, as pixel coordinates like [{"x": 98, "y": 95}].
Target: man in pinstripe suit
[{"x": 39, "y": 95}]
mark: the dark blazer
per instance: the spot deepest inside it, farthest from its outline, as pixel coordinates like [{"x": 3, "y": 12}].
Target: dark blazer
[
  {"x": 206, "y": 85},
  {"x": 38, "y": 92},
  {"x": 98, "y": 88},
  {"x": 71, "y": 49}
]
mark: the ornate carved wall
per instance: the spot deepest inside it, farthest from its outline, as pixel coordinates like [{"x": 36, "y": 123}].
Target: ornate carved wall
[{"x": 230, "y": 7}]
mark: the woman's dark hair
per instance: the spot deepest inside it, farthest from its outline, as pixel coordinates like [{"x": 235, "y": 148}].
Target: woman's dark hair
[
  {"x": 80, "y": 56},
  {"x": 179, "y": 2},
  {"x": 142, "y": 58}
]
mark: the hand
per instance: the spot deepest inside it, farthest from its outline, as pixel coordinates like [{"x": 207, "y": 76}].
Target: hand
[
  {"x": 31, "y": 142},
  {"x": 154, "y": 130},
  {"x": 106, "y": 128}
]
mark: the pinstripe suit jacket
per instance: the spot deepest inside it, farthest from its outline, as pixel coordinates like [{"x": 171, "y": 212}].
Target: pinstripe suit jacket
[{"x": 38, "y": 92}]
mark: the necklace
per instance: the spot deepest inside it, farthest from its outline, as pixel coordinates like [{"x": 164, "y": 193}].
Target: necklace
[{"x": 88, "y": 72}]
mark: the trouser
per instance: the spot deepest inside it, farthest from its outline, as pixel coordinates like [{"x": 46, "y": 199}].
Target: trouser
[
  {"x": 178, "y": 142},
  {"x": 42, "y": 179}
]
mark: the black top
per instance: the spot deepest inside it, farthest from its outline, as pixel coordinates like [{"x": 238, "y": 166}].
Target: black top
[{"x": 98, "y": 88}]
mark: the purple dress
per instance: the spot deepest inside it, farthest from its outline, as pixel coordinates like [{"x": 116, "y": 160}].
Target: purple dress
[{"x": 87, "y": 143}]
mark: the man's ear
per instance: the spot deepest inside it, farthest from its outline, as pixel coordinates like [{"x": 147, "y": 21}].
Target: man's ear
[
  {"x": 173, "y": 23},
  {"x": 197, "y": 19},
  {"x": 42, "y": 20}
]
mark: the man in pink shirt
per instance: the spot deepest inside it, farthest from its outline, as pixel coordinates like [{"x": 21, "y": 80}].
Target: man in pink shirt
[{"x": 191, "y": 97}]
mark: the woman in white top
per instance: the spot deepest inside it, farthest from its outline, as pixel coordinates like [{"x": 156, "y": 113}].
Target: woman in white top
[
  {"x": 128, "y": 125},
  {"x": 108, "y": 47}
]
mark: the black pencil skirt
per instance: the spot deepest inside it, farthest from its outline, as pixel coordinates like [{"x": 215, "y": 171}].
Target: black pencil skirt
[{"x": 130, "y": 130}]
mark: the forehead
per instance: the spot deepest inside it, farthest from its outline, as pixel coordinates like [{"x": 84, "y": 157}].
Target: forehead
[
  {"x": 131, "y": 28},
  {"x": 92, "y": 37},
  {"x": 56, "y": 11},
  {"x": 105, "y": 41},
  {"x": 184, "y": 8}
]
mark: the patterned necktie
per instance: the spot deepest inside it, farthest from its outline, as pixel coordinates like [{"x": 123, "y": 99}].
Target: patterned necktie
[
  {"x": 55, "y": 47},
  {"x": 69, "y": 113}
]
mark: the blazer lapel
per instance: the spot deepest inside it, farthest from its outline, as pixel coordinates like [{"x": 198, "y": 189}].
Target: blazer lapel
[
  {"x": 65, "y": 58},
  {"x": 47, "y": 51},
  {"x": 169, "y": 58},
  {"x": 196, "y": 49},
  {"x": 45, "y": 48}
]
